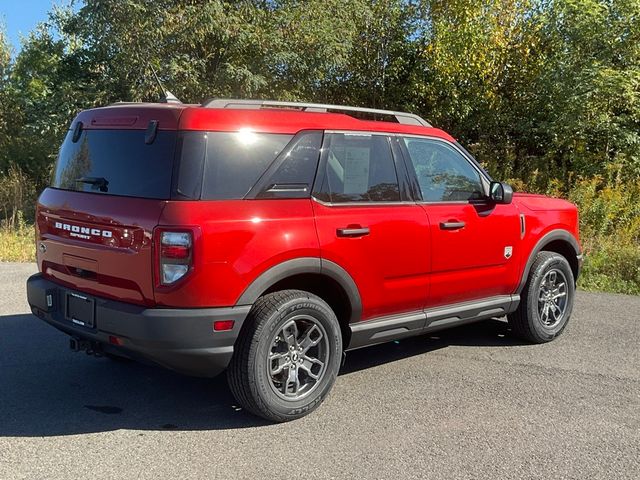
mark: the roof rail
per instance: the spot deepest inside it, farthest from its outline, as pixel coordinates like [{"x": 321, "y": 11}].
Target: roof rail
[{"x": 401, "y": 117}]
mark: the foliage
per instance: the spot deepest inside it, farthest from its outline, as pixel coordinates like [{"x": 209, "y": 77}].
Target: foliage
[
  {"x": 544, "y": 93},
  {"x": 17, "y": 244},
  {"x": 16, "y": 197},
  {"x": 611, "y": 266},
  {"x": 610, "y": 229}
]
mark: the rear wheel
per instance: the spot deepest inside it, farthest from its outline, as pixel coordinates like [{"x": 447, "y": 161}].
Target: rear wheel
[
  {"x": 546, "y": 301},
  {"x": 287, "y": 357}
]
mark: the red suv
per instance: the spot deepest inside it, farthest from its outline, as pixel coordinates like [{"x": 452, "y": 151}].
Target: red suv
[{"x": 267, "y": 238}]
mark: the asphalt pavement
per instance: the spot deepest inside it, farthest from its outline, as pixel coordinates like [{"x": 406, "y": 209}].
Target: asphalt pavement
[{"x": 471, "y": 402}]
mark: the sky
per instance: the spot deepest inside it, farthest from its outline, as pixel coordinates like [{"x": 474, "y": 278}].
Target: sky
[{"x": 19, "y": 17}]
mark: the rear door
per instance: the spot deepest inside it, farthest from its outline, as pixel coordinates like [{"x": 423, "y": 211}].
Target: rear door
[
  {"x": 366, "y": 224},
  {"x": 474, "y": 242},
  {"x": 95, "y": 222}
]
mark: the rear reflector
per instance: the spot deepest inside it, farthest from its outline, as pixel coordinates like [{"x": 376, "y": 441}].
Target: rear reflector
[
  {"x": 113, "y": 340},
  {"x": 175, "y": 251},
  {"x": 223, "y": 325}
]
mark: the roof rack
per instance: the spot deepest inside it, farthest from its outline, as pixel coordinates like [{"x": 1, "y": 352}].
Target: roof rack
[{"x": 400, "y": 117}]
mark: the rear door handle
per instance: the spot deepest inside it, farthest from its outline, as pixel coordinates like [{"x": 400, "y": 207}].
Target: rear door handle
[
  {"x": 353, "y": 232},
  {"x": 451, "y": 225}
]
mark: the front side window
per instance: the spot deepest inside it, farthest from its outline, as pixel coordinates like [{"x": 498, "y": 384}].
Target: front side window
[
  {"x": 357, "y": 168},
  {"x": 443, "y": 174}
]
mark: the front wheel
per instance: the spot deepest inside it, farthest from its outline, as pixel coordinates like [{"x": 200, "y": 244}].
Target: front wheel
[
  {"x": 547, "y": 299},
  {"x": 287, "y": 357}
]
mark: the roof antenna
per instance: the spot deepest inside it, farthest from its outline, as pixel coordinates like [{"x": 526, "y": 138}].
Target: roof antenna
[{"x": 166, "y": 95}]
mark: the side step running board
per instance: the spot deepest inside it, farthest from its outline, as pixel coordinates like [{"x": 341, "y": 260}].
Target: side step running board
[{"x": 394, "y": 327}]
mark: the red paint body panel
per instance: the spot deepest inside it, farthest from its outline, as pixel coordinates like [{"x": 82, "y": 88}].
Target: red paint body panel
[
  {"x": 390, "y": 265},
  {"x": 130, "y": 116},
  {"x": 118, "y": 266},
  {"x": 291, "y": 122},
  {"x": 406, "y": 263},
  {"x": 240, "y": 240},
  {"x": 562, "y": 215},
  {"x": 469, "y": 263}
]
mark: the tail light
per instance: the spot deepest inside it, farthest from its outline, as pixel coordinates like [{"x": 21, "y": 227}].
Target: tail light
[{"x": 175, "y": 255}]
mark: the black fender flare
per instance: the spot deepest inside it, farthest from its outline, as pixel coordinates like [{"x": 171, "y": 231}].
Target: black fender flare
[
  {"x": 298, "y": 266},
  {"x": 553, "y": 235}
]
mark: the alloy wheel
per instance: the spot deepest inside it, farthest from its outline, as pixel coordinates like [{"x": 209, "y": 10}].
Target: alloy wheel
[
  {"x": 552, "y": 298},
  {"x": 298, "y": 357}
]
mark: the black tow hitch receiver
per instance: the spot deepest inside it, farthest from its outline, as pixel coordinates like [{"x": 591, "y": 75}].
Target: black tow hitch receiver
[
  {"x": 79, "y": 345},
  {"x": 90, "y": 348}
]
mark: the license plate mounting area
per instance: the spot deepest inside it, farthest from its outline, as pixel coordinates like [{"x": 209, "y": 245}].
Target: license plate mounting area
[{"x": 80, "y": 310}]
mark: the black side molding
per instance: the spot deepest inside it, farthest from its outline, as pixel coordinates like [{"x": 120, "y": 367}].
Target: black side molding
[
  {"x": 553, "y": 235},
  {"x": 300, "y": 266},
  {"x": 394, "y": 327}
]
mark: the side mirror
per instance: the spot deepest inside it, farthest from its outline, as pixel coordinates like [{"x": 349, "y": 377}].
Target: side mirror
[{"x": 500, "y": 192}]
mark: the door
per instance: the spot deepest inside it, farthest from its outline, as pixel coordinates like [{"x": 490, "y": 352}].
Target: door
[
  {"x": 368, "y": 226},
  {"x": 474, "y": 242}
]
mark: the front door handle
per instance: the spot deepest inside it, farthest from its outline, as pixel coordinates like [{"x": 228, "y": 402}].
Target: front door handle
[
  {"x": 352, "y": 232},
  {"x": 454, "y": 225}
]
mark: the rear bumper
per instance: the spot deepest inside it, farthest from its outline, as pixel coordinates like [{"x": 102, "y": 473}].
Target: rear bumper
[{"x": 179, "y": 339}]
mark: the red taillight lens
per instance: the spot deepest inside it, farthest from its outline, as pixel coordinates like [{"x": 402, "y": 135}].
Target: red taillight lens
[
  {"x": 175, "y": 257},
  {"x": 174, "y": 251},
  {"x": 223, "y": 325}
]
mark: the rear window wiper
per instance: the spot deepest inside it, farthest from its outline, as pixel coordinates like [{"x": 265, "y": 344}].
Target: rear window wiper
[{"x": 99, "y": 183}]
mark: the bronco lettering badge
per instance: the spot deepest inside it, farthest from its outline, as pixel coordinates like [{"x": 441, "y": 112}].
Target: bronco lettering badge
[{"x": 83, "y": 232}]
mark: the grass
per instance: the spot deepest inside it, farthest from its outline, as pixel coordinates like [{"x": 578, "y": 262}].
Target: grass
[
  {"x": 17, "y": 244},
  {"x": 610, "y": 265}
]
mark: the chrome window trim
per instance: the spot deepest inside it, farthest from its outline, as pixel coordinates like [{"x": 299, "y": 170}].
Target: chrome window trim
[
  {"x": 361, "y": 133},
  {"x": 483, "y": 175},
  {"x": 465, "y": 155},
  {"x": 361, "y": 204},
  {"x": 485, "y": 180},
  {"x": 445, "y": 202}
]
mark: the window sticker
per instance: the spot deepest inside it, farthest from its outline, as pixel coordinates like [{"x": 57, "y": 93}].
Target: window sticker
[{"x": 356, "y": 170}]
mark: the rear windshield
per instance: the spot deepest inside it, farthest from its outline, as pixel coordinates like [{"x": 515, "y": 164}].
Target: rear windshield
[{"x": 117, "y": 162}]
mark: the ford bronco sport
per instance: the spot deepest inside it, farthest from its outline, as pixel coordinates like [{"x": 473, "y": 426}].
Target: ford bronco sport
[{"x": 267, "y": 238}]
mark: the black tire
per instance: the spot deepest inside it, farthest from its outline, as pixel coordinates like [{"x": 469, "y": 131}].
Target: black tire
[
  {"x": 528, "y": 321},
  {"x": 250, "y": 374}
]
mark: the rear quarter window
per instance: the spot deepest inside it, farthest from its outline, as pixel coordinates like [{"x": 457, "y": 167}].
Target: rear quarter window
[{"x": 236, "y": 160}]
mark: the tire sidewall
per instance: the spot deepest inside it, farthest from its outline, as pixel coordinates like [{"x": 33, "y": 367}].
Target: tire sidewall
[
  {"x": 261, "y": 381},
  {"x": 541, "y": 330}
]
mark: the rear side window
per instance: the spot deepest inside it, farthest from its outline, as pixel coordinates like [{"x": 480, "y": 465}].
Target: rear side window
[
  {"x": 358, "y": 168},
  {"x": 116, "y": 162},
  {"x": 292, "y": 174},
  {"x": 235, "y": 161}
]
